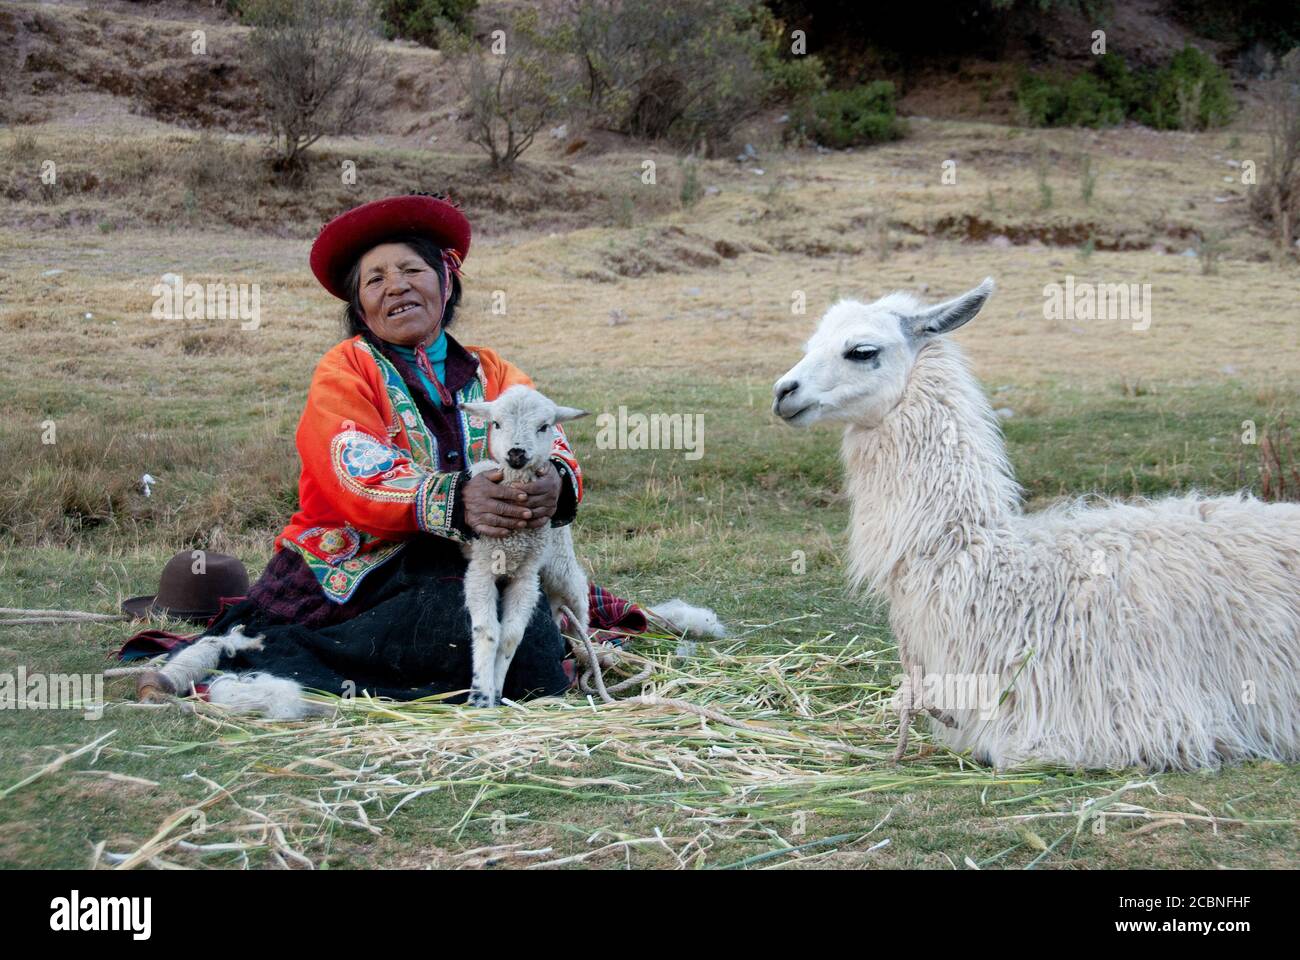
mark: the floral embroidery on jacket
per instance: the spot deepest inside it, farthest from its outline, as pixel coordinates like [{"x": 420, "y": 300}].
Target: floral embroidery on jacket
[{"x": 373, "y": 469}]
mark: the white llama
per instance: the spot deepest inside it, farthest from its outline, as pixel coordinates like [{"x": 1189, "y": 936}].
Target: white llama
[
  {"x": 1163, "y": 634},
  {"x": 521, "y": 428}
]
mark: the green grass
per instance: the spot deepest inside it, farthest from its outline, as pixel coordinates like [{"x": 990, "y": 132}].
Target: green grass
[
  {"x": 720, "y": 531},
  {"x": 212, "y": 414}
]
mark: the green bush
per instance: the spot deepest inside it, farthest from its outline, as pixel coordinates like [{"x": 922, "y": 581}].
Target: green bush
[
  {"x": 794, "y": 79},
  {"x": 1190, "y": 92},
  {"x": 418, "y": 19},
  {"x": 1089, "y": 104},
  {"x": 1131, "y": 89},
  {"x": 845, "y": 118},
  {"x": 791, "y": 77},
  {"x": 1082, "y": 101},
  {"x": 1041, "y": 101},
  {"x": 688, "y": 71},
  {"x": 691, "y": 190}
]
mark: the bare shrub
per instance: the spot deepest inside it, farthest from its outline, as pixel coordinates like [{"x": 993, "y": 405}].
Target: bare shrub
[
  {"x": 316, "y": 68},
  {"x": 514, "y": 87},
  {"x": 1277, "y": 201},
  {"x": 1209, "y": 250},
  {"x": 23, "y": 145},
  {"x": 1279, "y": 470}
]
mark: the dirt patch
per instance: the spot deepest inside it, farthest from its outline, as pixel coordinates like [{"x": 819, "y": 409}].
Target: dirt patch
[
  {"x": 62, "y": 51},
  {"x": 663, "y": 250},
  {"x": 976, "y": 229},
  {"x": 178, "y": 180},
  {"x": 207, "y": 343}
]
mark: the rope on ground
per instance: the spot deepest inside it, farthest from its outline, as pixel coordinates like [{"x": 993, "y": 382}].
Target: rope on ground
[
  {"x": 591, "y": 680},
  {"x": 17, "y": 615}
]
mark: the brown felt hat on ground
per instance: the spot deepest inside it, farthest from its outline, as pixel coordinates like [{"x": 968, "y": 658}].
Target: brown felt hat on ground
[{"x": 192, "y": 586}]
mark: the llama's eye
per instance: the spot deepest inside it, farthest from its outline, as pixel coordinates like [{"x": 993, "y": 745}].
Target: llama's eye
[
  {"x": 860, "y": 354},
  {"x": 543, "y": 428},
  {"x": 496, "y": 425}
]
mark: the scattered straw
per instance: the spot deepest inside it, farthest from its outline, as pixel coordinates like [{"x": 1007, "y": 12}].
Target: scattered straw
[
  {"x": 55, "y": 764},
  {"x": 733, "y": 745}
]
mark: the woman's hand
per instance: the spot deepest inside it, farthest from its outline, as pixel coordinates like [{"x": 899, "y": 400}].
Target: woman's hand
[{"x": 493, "y": 509}]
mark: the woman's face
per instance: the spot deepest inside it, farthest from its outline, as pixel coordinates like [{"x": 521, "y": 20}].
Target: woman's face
[{"x": 401, "y": 298}]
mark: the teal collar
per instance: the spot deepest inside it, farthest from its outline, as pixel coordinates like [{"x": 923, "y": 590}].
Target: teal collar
[{"x": 436, "y": 353}]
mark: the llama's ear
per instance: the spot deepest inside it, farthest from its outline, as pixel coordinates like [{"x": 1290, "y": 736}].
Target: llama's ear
[
  {"x": 477, "y": 409},
  {"x": 564, "y": 414},
  {"x": 946, "y": 317}
]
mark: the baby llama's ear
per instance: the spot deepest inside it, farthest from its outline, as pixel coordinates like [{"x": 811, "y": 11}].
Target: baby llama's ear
[
  {"x": 946, "y": 317},
  {"x": 568, "y": 413},
  {"x": 478, "y": 409}
]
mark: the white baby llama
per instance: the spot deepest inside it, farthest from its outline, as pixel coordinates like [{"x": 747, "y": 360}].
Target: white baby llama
[
  {"x": 521, "y": 428},
  {"x": 1163, "y": 634}
]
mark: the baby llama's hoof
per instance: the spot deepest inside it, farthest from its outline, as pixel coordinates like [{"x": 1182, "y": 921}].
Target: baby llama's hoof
[{"x": 152, "y": 686}]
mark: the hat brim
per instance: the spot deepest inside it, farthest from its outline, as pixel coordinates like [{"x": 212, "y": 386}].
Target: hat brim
[
  {"x": 142, "y": 608},
  {"x": 350, "y": 234}
]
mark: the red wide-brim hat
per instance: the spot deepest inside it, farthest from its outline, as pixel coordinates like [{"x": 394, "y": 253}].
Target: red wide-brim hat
[{"x": 351, "y": 234}]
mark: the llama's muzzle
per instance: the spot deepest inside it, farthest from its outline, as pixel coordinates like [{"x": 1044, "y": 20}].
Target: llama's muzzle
[{"x": 784, "y": 404}]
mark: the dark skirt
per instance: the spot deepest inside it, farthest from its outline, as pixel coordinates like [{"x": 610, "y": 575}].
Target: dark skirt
[{"x": 404, "y": 634}]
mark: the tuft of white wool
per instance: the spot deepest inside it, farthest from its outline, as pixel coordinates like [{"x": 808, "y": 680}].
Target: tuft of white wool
[
  {"x": 279, "y": 698},
  {"x": 1161, "y": 634},
  {"x": 276, "y": 697},
  {"x": 683, "y": 617},
  {"x": 192, "y": 664}
]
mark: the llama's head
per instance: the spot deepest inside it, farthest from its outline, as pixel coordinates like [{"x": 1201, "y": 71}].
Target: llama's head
[
  {"x": 856, "y": 365},
  {"x": 521, "y": 426}
]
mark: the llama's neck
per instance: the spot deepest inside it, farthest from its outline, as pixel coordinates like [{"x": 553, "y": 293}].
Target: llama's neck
[{"x": 933, "y": 473}]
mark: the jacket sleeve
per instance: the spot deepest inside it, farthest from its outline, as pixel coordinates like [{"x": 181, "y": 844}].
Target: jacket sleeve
[
  {"x": 371, "y": 483},
  {"x": 503, "y": 374},
  {"x": 571, "y": 490}
]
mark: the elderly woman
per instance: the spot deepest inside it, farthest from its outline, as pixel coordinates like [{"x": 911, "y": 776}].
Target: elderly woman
[{"x": 364, "y": 592}]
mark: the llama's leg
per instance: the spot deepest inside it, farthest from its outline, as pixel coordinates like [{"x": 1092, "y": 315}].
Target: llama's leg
[
  {"x": 906, "y": 707},
  {"x": 565, "y": 583},
  {"x": 946, "y": 719},
  {"x": 553, "y": 596},
  {"x": 485, "y": 633},
  {"x": 518, "y": 600},
  {"x": 564, "y": 580}
]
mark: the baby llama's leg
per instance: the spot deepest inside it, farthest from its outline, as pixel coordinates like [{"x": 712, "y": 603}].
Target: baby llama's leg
[
  {"x": 518, "y": 600},
  {"x": 485, "y": 631},
  {"x": 563, "y": 578}
]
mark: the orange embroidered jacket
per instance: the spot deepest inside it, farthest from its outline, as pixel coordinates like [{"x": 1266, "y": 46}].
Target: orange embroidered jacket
[{"x": 373, "y": 472}]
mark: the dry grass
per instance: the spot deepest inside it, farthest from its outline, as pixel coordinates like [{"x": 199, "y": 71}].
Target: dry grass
[
  {"x": 763, "y": 743},
  {"x": 710, "y": 288},
  {"x": 614, "y": 294},
  {"x": 736, "y": 751}
]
